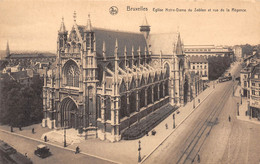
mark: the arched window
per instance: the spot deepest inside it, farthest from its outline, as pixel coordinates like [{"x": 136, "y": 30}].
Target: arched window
[
  {"x": 71, "y": 74},
  {"x": 108, "y": 109},
  {"x": 167, "y": 67},
  {"x": 100, "y": 74}
]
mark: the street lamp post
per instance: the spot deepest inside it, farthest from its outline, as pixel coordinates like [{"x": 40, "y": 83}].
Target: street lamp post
[
  {"x": 139, "y": 150},
  {"x": 251, "y": 113},
  {"x": 173, "y": 117},
  {"x": 238, "y": 109},
  {"x": 65, "y": 144},
  {"x": 240, "y": 98},
  {"x": 249, "y": 110}
]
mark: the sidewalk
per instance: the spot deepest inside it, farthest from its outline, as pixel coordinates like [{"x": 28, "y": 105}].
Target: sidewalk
[
  {"x": 123, "y": 151},
  {"x": 243, "y": 108}
]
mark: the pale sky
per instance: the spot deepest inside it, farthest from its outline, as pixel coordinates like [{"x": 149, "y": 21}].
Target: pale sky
[{"x": 33, "y": 25}]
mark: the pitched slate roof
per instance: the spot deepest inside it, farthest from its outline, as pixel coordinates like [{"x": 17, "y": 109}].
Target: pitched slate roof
[
  {"x": 127, "y": 39},
  {"x": 198, "y": 59},
  {"x": 256, "y": 71},
  {"x": 163, "y": 42}
]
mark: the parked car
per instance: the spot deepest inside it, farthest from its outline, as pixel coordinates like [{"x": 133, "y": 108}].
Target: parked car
[{"x": 42, "y": 151}]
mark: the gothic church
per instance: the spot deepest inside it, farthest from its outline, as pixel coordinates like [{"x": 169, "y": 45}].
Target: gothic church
[{"x": 106, "y": 80}]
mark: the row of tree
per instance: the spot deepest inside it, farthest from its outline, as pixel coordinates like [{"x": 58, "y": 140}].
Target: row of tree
[
  {"x": 217, "y": 66},
  {"x": 247, "y": 49},
  {"x": 20, "y": 105}
]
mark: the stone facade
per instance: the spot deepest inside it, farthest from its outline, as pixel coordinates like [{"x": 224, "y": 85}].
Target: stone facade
[{"x": 106, "y": 80}]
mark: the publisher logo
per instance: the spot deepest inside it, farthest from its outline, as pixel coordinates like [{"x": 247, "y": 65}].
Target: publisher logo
[{"x": 113, "y": 10}]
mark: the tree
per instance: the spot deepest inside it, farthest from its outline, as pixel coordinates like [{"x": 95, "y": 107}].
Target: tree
[
  {"x": 20, "y": 105},
  {"x": 217, "y": 66}
]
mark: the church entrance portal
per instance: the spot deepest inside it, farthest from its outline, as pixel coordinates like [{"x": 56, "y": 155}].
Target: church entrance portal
[{"x": 69, "y": 116}]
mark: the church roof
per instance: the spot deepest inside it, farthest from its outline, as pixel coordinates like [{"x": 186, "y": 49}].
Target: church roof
[
  {"x": 163, "y": 43},
  {"x": 125, "y": 39}
]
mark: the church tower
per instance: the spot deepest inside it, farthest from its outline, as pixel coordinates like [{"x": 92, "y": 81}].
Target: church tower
[
  {"x": 90, "y": 75},
  {"x": 62, "y": 36},
  {"x": 145, "y": 28},
  {"x": 61, "y": 43}
]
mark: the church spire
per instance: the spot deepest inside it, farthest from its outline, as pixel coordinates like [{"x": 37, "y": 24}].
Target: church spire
[
  {"x": 139, "y": 56},
  {"x": 62, "y": 26},
  {"x": 133, "y": 56},
  {"x": 161, "y": 59},
  {"x": 104, "y": 50},
  {"x": 116, "y": 50},
  {"x": 145, "y": 22},
  {"x": 179, "y": 45},
  {"x": 145, "y": 28},
  {"x": 116, "y": 64},
  {"x": 145, "y": 55},
  {"x": 89, "y": 26},
  {"x": 125, "y": 54},
  {"x": 7, "y": 49}
]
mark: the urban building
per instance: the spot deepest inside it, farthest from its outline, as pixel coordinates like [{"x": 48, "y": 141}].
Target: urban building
[
  {"x": 199, "y": 64},
  {"x": 250, "y": 85},
  {"x": 238, "y": 52},
  {"x": 23, "y": 77},
  {"x": 255, "y": 92},
  {"x": 105, "y": 80},
  {"x": 207, "y": 51},
  {"x": 245, "y": 75},
  {"x": 29, "y": 57}
]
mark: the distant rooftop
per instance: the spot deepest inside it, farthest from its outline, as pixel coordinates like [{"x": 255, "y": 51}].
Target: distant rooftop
[{"x": 198, "y": 59}]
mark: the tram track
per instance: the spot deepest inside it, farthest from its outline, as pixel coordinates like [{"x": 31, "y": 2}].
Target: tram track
[{"x": 202, "y": 129}]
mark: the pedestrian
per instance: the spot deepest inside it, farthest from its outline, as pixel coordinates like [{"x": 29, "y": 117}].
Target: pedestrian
[
  {"x": 166, "y": 126},
  {"x": 198, "y": 158},
  {"x": 199, "y": 100},
  {"x": 45, "y": 138},
  {"x": 20, "y": 128},
  {"x": 12, "y": 129},
  {"x": 32, "y": 130},
  {"x": 77, "y": 150},
  {"x": 229, "y": 118}
]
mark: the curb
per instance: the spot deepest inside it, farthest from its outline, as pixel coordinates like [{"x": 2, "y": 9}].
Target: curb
[
  {"x": 241, "y": 119},
  {"x": 174, "y": 129},
  {"x": 48, "y": 143}
]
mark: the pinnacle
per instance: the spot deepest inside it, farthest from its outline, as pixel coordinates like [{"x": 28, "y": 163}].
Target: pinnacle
[
  {"x": 62, "y": 27},
  {"x": 89, "y": 26},
  {"x": 145, "y": 22}
]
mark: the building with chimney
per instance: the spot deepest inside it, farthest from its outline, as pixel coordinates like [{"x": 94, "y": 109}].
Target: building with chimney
[{"x": 106, "y": 80}]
